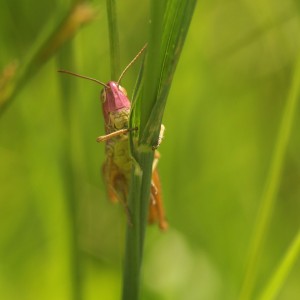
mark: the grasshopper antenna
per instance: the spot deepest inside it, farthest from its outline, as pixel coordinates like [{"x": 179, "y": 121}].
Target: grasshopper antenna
[
  {"x": 84, "y": 77},
  {"x": 131, "y": 63}
]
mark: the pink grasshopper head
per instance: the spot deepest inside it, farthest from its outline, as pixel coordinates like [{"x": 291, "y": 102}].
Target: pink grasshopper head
[{"x": 115, "y": 104}]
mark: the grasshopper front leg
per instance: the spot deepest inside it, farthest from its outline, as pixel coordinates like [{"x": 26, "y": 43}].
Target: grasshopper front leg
[{"x": 109, "y": 136}]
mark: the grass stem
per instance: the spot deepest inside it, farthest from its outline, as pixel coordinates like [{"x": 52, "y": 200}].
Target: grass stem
[
  {"x": 273, "y": 287},
  {"x": 65, "y": 58},
  {"x": 271, "y": 186}
]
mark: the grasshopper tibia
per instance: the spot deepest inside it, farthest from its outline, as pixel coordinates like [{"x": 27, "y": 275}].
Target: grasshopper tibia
[{"x": 109, "y": 136}]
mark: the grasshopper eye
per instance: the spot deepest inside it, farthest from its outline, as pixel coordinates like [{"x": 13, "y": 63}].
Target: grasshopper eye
[
  {"x": 103, "y": 96},
  {"x": 121, "y": 89}
]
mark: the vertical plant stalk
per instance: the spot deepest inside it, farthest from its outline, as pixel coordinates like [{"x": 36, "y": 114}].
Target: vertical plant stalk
[
  {"x": 142, "y": 168},
  {"x": 139, "y": 193},
  {"x": 273, "y": 287},
  {"x": 168, "y": 28},
  {"x": 132, "y": 260},
  {"x": 65, "y": 58},
  {"x": 271, "y": 186},
  {"x": 113, "y": 39}
]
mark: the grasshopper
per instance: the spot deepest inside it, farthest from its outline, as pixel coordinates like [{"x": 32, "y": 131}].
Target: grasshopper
[{"x": 116, "y": 169}]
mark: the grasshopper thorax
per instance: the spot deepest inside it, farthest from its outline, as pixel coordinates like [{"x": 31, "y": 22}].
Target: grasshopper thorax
[{"x": 116, "y": 105}]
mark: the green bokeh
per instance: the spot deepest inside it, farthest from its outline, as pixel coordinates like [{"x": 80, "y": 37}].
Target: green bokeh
[{"x": 222, "y": 119}]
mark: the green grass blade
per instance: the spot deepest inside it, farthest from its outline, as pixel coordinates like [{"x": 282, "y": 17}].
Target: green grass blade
[
  {"x": 273, "y": 287},
  {"x": 134, "y": 119},
  {"x": 271, "y": 186},
  {"x": 153, "y": 62},
  {"x": 169, "y": 41}
]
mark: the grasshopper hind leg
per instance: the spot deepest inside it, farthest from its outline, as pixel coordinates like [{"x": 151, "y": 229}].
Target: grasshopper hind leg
[
  {"x": 156, "y": 210},
  {"x": 120, "y": 185}
]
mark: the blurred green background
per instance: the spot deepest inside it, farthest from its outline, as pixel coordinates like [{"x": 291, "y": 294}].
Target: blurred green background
[{"x": 222, "y": 119}]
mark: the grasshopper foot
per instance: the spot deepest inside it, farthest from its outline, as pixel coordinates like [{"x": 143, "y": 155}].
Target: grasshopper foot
[{"x": 160, "y": 137}]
